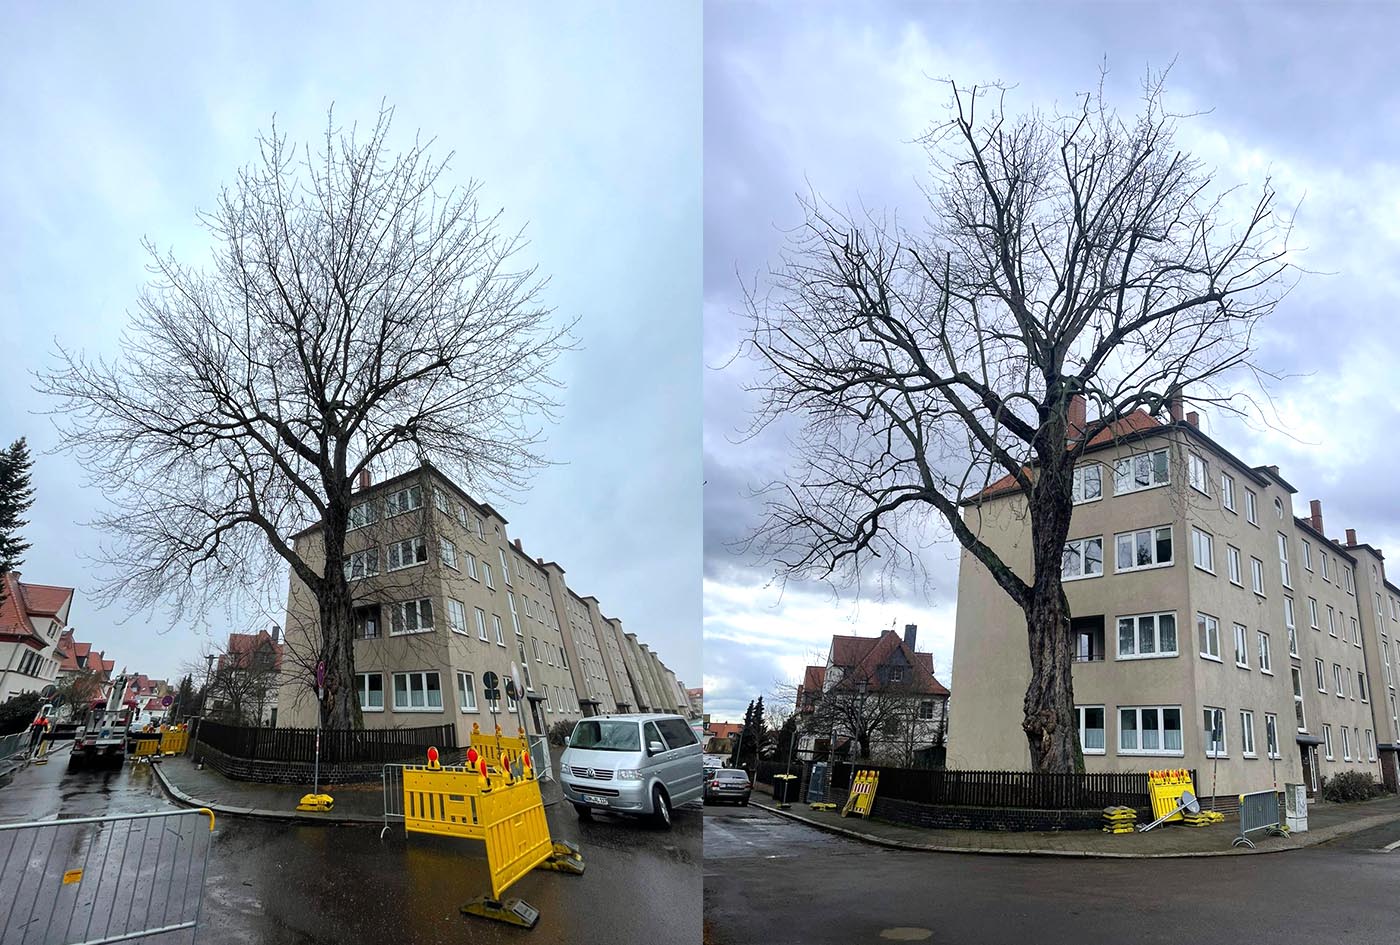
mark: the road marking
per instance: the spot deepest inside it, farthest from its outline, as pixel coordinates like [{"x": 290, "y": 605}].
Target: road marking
[
  {"x": 907, "y": 934},
  {"x": 1390, "y": 846}
]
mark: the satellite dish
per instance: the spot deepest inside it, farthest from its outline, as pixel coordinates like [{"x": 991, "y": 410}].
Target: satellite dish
[{"x": 1189, "y": 803}]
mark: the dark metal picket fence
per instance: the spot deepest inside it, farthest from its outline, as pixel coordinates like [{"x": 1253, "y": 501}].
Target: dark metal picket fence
[
  {"x": 338, "y": 746},
  {"x": 1006, "y": 789}
]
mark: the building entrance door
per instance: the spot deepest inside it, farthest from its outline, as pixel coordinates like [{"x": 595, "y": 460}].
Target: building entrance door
[{"x": 1308, "y": 755}]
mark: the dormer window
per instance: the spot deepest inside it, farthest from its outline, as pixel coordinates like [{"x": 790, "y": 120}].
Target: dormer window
[{"x": 896, "y": 674}]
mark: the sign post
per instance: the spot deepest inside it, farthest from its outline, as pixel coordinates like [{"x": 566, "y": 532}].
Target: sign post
[{"x": 316, "y": 801}]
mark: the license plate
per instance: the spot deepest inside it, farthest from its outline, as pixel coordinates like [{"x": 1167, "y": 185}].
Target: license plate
[{"x": 595, "y": 799}]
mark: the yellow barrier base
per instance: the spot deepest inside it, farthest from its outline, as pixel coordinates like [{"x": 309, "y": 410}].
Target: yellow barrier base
[
  {"x": 821, "y": 805},
  {"x": 515, "y": 912},
  {"x": 566, "y": 858},
  {"x": 318, "y": 803}
]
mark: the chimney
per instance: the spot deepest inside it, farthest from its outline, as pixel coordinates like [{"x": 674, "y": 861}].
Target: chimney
[
  {"x": 1174, "y": 407},
  {"x": 1315, "y": 516},
  {"x": 1351, "y": 536},
  {"x": 364, "y": 480},
  {"x": 911, "y": 631},
  {"x": 1076, "y": 418},
  {"x": 1194, "y": 419},
  {"x": 517, "y": 546},
  {"x": 1274, "y": 470}
]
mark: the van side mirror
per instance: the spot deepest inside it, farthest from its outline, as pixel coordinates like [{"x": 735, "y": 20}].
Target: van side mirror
[
  {"x": 566, "y": 741},
  {"x": 655, "y": 748}
]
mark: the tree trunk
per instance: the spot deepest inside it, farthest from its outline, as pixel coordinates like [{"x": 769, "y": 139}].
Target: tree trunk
[{"x": 340, "y": 703}]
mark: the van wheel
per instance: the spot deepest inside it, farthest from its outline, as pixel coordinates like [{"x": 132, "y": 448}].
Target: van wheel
[
  {"x": 584, "y": 811},
  {"x": 660, "y": 808}
]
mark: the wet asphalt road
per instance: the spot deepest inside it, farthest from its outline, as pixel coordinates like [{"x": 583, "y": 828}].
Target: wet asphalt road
[
  {"x": 272, "y": 882},
  {"x": 773, "y": 881}
]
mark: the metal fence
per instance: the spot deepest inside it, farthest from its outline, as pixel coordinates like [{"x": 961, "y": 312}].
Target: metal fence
[
  {"x": 1005, "y": 789},
  {"x": 338, "y": 746},
  {"x": 96, "y": 880},
  {"x": 1260, "y": 811},
  {"x": 15, "y": 744}
]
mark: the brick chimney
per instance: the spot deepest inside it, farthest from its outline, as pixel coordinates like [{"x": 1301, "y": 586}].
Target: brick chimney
[
  {"x": 1315, "y": 516},
  {"x": 1351, "y": 536},
  {"x": 1174, "y": 407},
  {"x": 1194, "y": 419},
  {"x": 1076, "y": 418},
  {"x": 911, "y": 633},
  {"x": 517, "y": 546},
  {"x": 364, "y": 480}
]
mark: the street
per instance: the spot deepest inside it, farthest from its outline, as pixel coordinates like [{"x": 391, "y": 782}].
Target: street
[
  {"x": 272, "y": 882},
  {"x": 778, "y": 882}
]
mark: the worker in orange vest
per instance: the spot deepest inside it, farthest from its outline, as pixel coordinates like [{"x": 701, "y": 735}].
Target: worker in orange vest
[{"x": 37, "y": 731}]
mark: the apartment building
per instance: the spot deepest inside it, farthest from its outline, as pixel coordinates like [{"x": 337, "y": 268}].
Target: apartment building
[
  {"x": 1212, "y": 628},
  {"x": 442, "y": 595},
  {"x": 32, "y": 619},
  {"x": 1379, "y": 603}
]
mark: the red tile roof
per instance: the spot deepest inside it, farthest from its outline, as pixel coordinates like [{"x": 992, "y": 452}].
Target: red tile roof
[
  {"x": 23, "y": 601},
  {"x": 814, "y": 678},
  {"x": 724, "y": 729},
  {"x": 243, "y": 647},
  {"x": 1136, "y": 422},
  {"x": 862, "y": 658}
]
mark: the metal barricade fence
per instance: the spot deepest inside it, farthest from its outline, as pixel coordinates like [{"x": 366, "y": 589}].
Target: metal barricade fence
[
  {"x": 15, "y": 744},
  {"x": 539, "y": 758},
  {"x": 1259, "y": 811},
  {"x": 96, "y": 880}
]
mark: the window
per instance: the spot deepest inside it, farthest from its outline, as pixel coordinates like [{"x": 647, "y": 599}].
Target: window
[
  {"x": 1266, "y": 659},
  {"x": 456, "y": 616},
  {"x": 511, "y": 704},
  {"x": 1083, "y": 558},
  {"x": 1292, "y": 642},
  {"x": 1147, "y": 635},
  {"x": 926, "y": 713},
  {"x": 486, "y": 575},
  {"x": 371, "y": 689},
  {"x": 505, "y": 567},
  {"x": 462, "y": 516},
  {"x": 1088, "y": 483},
  {"x": 480, "y": 624},
  {"x": 417, "y": 692},
  {"x": 411, "y": 616},
  {"x": 1247, "y": 734},
  {"x": 514, "y": 617},
  {"x": 1256, "y": 573},
  {"x": 1385, "y": 658},
  {"x": 1278, "y": 508},
  {"x": 405, "y": 500},
  {"x": 1142, "y": 471},
  {"x": 1307, "y": 554},
  {"x": 1327, "y": 742},
  {"x": 1288, "y": 612},
  {"x": 362, "y": 564},
  {"x": 448, "y": 553},
  {"x": 1203, "y": 550},
  {"x": 440, "y": 500},
  {"x": 500, "y": 636},
  {"x": 1251, "y": 507},
  {"x": 1346, "y": 744},
  {"x": 525, "y": 665},
  {"x": 1208, "y": 630},
  {"x": 1213, "y": 724},
  {"x": 1241, "y": 646},
  {"x": 1149, "y": 730},
  {"x": 407, "y": 553},
  {"x": 1346, "y": 579},
  {"x": 1271, "y": 735},
  {"x": 466, "y": 692},
  {"x": 1361, "y": 685},
  {"x": 1312, "y": 613},
  {"x": 1370, "y": 745},
  {"x": 1338, "y": 680},
  {"x": 1302, "y": 718},
  {"x": 1355, "y": 632},
  {"x": 366, "y": 622},
  {"x": 1227, "y": 492},
  {"x": 1331, "y": 621},
  {"x": 480, "y": 531},
  {"x": 1232, "y": 565},
  {"x": 1379, "y": 612},
  {"x": 536, "y": 644},
  {"x": 471, "y": 566},
  {"x": 361, "y": 515},
  {"x": 1091, "y": 728},
  {"x": 1198, "y": 474},
  {"x": 1287, "y": 576},
  {"x": 1149, "y": 548},
  {"x": 1320, "y": 670}
]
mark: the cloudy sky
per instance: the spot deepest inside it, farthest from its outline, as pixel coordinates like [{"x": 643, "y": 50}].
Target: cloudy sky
[
  {"x": 581, "y": 123},
  {"x": 829, "y": 97}
]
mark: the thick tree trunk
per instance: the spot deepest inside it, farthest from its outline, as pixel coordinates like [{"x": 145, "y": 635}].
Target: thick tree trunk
[{"x": 340, "y": 704}]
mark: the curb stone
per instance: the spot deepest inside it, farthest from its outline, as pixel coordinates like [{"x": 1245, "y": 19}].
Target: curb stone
[{"x": 1296, "y": 842}]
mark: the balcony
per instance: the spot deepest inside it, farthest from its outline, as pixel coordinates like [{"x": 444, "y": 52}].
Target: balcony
[{"x": 1088, "y": 637}]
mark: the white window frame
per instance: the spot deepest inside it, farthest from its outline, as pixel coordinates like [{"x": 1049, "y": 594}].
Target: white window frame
[
  {"x": 1153, "y": 537},
  {"x": 1327, "y": 751},
  {"x": 1326, "y": 567},
  {"x": 1203, "y": 547},
  {"x": 1271, "y": 742},
  {"x": 1339, "y": 680},
  {"x": 1162, "y": 731},
  {"x": 422, "y": 676},
  {"x": 363, "y": 689},
  {"x": 514, "y": 617},
  {"x": 486, "y": 575},
  {"x": 1081, "y": 482},
  {"x": 1247, "y": 734},
  {"x": 1307, "y": 554},
  {"x": 1331, "y": 621},
  {"x": 1198, "y": 473},
  {"x": 447, "y": 552},
  {"x": 1227, "y": 492},
  {"x": 1320, "y": 671},
  {"x": 1208, "y": 635},
  {"x": 466, "y": 693},
  {"x": 1346, "y": 744},
  {"x": 1079, "y": 548},
  {"x": 1214, "y": 749},
  {"x": 1300, "y": 711},
  {"x": 365, "y": 518},
  {"x": 440, "y": 502},
  {"x": 1124, "y": 472},
  {"x": 471, "y": 566},
  {"x": 1284, "y": 570},
  {"x": 456, "y": 616},
  {"x": 1256, "y": 575},
  {"x": 505, "y": 568},
  {"x": 1312, "y": 614},
  {"x": 362, "y": 564},
  {"x": 1233, "y": 566},
  {"x": 1266, "y": 658},
  {"x": 499, "y": 628},
  {"x": 1241, "y": 646},
  {"x": 1251, "y": 507},
  {"x": 1371, "y": 744},
  {"x": 398, "y": 617},
  {"x": 1361, "y": 687},
  {"x": 1146, "y": 627},
  {"x": 1347, "y": 581},
  {"x": 481, "y": 625},
  {"x": 408, "y": 499},
  {"x": 417, "y": 548},
  {"x": 1355, "y": 632}
]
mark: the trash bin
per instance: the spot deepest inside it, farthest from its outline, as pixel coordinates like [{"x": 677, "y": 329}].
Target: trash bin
[
  {"x": 783, "y": 785},
  {"x": 1295, "y": 799}
]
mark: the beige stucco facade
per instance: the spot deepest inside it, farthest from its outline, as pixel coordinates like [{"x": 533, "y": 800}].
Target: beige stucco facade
[
  {"x": 1153, "y": 693},
  {"x": 443, "y": 596}
]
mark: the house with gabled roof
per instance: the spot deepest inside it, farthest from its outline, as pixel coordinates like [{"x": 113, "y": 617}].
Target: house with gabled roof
[
  {"x": 32, "y": 617},
  {"x": 76, "y": 657}
]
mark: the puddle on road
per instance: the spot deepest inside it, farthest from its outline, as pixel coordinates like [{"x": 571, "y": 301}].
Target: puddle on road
[{"x": 907, "y": 934}]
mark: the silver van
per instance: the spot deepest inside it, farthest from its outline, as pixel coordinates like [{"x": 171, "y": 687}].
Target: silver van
[{"x": 641, "y": 764}]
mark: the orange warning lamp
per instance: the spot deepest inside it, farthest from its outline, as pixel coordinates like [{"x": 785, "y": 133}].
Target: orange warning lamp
[
  {"x": 433, "y": 758},
  {"x": 525, "y": 762},
  {"x": 484, "y": 775},
  {"x": 472, "y": 755}
]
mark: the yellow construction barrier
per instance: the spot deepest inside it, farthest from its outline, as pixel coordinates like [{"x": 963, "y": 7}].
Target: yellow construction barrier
[
  {"x": 174, "y": 742},
  {"x": 493, "y": 747},
  {"x": 145, "y": 748},
  {"x": 1165, "y": 788},
  {"x": 500, "y": 806},
  {"x": 862, "y": 796}
]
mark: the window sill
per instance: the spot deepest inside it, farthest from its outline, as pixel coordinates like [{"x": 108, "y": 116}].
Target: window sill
[
  {"x": 1267, "y": 672},
  {"x": 1079, "y": 577},
  {"x": 1261, "y": 595},
  {"x": 1095, "y": 751},
  {"x": 1250, "y": 756},
  {"x": 366, "y": 708},
  {"x": 1229, "y": 508},
  {"x": 1129, "y": 657},
  {"x": 1097, "y": 498},
  {"x": 1217, "y": 757},
  {"x": 1239, "y": 584},
  {"x": 424, "y": 709},
  {"x": 1213, "y": 659},
  {"x": 410, "y": 633},
  {"x": 1243, "y": 666},
  {"x": 1201, "y": 567},
  {"x": 1137, "y": 489},
  {"x": 466, "y": 711},
  {"x": 1143, "y": 567},
  {"x": 1132, "y": 753}
]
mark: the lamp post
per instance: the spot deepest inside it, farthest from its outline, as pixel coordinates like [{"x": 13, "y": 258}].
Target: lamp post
[{"x": 861, "y": 687}]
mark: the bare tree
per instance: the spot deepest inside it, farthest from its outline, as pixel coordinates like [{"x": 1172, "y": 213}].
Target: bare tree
[
  {"x": 1068, "y": 256},
  {"x": 359, "y": 313}
]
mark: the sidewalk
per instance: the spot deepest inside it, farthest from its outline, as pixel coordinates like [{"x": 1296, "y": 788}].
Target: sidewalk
[
  {"x": 354, "y": 803},
  {"x": 1325, "y": 822}
]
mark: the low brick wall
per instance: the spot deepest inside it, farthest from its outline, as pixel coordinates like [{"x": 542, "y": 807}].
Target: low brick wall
[
  {"x": 295, "y": 772},
  {"x": 943, "y": 817}
]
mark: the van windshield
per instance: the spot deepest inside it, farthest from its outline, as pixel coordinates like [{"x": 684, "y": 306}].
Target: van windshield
[{"x": 604, "y": 735}]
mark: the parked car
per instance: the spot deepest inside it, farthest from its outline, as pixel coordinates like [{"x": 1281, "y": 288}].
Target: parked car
[
  {"x": 728, "y": 784},
  {"x": 639, "y": 764}
]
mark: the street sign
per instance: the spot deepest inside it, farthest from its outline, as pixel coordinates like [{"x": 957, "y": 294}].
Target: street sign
[
  {"x": 511, "y": 691},
  {"x": 490, "y": 680},
  {"x": 166, "y": 700},
  {"x": 320, "y": 674}
]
